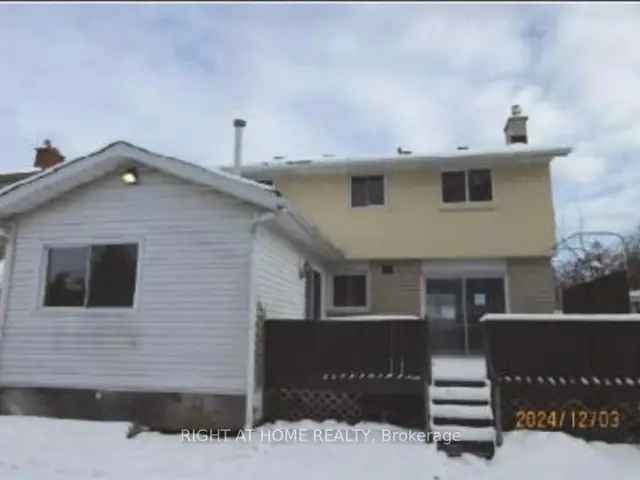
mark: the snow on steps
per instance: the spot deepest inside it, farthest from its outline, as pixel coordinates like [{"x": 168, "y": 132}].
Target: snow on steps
[
  {"x": 480, "y": 412},
  {"x": 460, "y": 393},
  {"x": 466, "y": 434}
]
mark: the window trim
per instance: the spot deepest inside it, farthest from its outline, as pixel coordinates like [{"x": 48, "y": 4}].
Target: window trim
[
  {"x": 468, "y": 203},
  {"x": 45, "y": 247},
  {"x": 364, "y": 271},
  {"x": 385, "y": 195}
]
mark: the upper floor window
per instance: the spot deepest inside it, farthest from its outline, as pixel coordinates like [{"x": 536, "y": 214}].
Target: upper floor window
[
  {"x": 91, "y": 276},
  {"x": 367, "y": 190},
  {"x": 350, "y": 290},
  {"x": 467, "y": 186}
]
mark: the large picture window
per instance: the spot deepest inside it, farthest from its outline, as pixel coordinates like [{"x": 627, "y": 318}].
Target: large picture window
[
  {"x": 467, "y": 186},
  {"x": 367, "y": 191},
  {"x": 91, "y": 276},
  {"x": 350, "y": 290}
]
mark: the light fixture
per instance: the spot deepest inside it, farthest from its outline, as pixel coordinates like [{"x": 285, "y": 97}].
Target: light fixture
[{"x": 130, "y": 176}]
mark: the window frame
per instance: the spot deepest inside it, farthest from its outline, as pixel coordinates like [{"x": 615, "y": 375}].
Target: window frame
[
  {"x": 365, "y": 272},
  {"x": 85, "y": 309},
  {"x": 385, "y": 197},
  {"x": 467, "y": 190}
]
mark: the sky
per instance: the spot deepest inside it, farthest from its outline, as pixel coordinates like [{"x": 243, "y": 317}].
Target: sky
[{"x": 343, "y": 79}]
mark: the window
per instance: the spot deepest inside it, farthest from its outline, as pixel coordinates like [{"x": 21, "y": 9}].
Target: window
[
  {"x": 454, "y": 187},
  {"x": 467, "y": 186},
  {"x": 350, "y": 291},
  {"x": 480, "y": 188},
  {"x": 92, "y": 276},
  {"x": 367, "y": 191}
]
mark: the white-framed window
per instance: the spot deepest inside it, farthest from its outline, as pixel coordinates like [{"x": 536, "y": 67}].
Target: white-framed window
[
  {"x": 367, "y": 190},
  {"x": 91, "y": 276},
  {"x": 464, "y": 186},
  {"x": 350, "y": 290}
]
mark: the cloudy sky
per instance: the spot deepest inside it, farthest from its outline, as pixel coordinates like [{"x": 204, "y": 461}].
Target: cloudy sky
[{"x": 342, "y": 79}]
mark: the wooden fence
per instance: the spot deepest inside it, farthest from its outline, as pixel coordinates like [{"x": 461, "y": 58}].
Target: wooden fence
[
  {"x": 574, "y": 373},
  {"x": 607, "y": 294},
  {"x": 345, "y": 369}
]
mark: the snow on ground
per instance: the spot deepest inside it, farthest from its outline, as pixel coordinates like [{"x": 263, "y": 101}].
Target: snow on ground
[{"x": 44, "y": 449}]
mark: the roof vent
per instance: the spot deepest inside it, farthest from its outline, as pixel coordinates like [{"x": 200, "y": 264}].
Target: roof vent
[
  {"x": 403, "y": 152},
  {"x": 463, "y": 147},
  {"x": 47, "y": 156}
]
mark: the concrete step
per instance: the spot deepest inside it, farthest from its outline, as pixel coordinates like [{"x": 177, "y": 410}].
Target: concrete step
[
  {"x": 476, "y": 412},
  {"x": 467, "y": 434},
  {"x": 442, "y": 393}
]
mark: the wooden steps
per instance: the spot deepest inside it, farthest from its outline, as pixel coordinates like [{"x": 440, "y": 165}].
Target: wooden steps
[{"x": 460, "y": 405}]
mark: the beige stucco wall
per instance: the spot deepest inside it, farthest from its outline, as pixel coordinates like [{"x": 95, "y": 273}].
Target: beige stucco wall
[
  {"x": 531, "y": 285},
  {"x": 415, "y": 224},
  {"x": 398, "y": 292}
]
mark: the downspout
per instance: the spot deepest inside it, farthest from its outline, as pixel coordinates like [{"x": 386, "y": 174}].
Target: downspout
[{"x": 251, "y": 354}]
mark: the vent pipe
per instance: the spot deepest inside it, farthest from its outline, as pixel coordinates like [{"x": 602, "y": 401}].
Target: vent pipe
[{"x": 239, "y": 125}]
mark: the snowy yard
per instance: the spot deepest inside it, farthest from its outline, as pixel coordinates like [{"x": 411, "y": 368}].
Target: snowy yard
[{"x": 44, "y": 449}]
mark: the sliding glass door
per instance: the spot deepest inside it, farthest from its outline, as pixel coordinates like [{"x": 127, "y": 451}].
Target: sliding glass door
[{"x": 454, "y": 306}]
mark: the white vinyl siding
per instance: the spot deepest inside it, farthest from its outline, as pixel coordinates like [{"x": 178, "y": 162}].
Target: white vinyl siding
[
  {"x": 188, "y": 329},
  {"x": 278, "y": 284}
]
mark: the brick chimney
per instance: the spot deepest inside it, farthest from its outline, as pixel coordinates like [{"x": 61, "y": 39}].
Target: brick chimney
[
  {"x": 515, "y": 131},
  {"x": 47, "y": 156}
]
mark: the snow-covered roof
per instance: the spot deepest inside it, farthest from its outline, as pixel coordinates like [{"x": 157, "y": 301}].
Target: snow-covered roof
[
  {"x": 34, "y": 190},
  {"x": 561, "y": 317},
  {"x": 509, "y": 155}
]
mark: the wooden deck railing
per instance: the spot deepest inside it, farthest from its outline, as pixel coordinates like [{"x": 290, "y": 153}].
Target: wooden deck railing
[
  {"x": 365, "y": 356},
  {"x": 575, "y": 373}
]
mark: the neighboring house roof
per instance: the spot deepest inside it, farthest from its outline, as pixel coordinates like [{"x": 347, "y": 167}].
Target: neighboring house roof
[
  {"x": 13, "y": 177},
  {"x": 34, "y": 190},
  {"x": 510, "y": 155}
]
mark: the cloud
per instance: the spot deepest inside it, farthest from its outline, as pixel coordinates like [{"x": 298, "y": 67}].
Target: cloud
[{"x": 343, "y": 79}]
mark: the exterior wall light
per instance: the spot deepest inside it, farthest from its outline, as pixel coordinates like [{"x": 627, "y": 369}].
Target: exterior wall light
[{"x": 130, "y": 176}]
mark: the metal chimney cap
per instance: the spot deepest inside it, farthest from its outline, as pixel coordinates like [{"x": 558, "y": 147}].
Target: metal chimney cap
[
  {"x": 516, "y": 110},
  {"x": 238, "y": 122}
]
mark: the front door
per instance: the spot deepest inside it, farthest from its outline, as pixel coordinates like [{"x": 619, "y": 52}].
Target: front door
[
  {"x": 445, "y": 313},
  {"x": 484, "y": 295},
  {"x": 454, "y": 306}
]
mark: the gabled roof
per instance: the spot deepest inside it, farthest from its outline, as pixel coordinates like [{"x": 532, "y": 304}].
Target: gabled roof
[
  {"x": 36, "y": 189},
  {"x": 509, "y": 155}
]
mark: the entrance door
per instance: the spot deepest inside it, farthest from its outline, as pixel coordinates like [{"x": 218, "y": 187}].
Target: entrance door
[
  {"x": 445, "y": 312},
  {"x": 313, "y": 294},
  {"x": 484, "y": 295},
  {"x": 454, "y": 306}
]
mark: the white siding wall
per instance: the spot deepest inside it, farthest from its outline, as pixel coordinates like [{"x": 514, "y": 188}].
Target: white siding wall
[
  {"x": 278, "y": 284},
  {"x": 188, "y": 331}
]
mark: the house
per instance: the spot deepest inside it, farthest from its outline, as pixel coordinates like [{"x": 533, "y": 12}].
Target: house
[
  {"x": 450, "y": 236},
  {"x": 134, "y": 281},
  {"x": 132, "y": 277}
]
